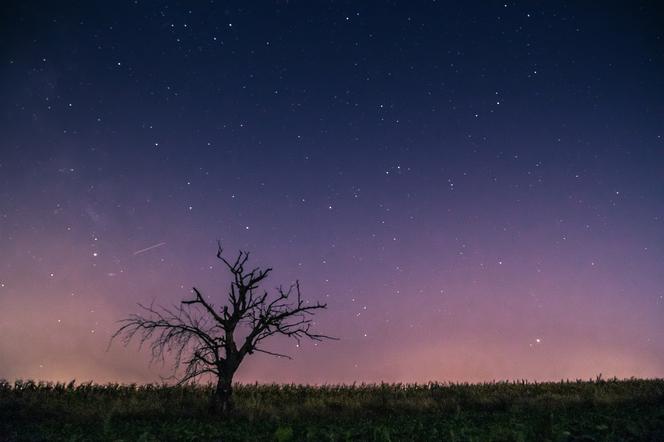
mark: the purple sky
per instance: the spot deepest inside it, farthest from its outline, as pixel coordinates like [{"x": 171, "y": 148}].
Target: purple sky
[{"x": 476, "y": 189}]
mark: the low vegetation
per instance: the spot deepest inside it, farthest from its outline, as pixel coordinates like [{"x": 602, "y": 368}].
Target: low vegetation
[{"x": 598, "y": 410}]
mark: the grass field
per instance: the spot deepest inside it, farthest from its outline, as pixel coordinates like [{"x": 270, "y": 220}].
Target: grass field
[{"x": 600, "y": 410}]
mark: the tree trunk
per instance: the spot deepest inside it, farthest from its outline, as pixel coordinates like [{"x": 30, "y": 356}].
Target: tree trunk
[{"x": 222, "y": 400}]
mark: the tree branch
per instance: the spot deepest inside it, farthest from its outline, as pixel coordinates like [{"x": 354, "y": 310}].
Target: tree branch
[{"x": 194, "y": 333}]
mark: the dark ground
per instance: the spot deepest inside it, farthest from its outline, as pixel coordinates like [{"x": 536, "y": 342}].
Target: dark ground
[{"x": 598, "y": 410}]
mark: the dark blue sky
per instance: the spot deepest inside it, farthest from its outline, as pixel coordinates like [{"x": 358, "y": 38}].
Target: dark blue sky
[{"x": 480, "y": 183}]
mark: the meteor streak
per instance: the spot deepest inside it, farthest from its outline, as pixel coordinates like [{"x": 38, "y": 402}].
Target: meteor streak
[{"x": 138, "y": 252}]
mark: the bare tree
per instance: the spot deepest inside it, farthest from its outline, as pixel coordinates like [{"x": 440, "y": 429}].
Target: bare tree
[{"x": 206, "y": 340}]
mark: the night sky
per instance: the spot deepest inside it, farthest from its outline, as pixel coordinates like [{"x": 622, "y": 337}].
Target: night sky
[{"x": 476, "y": 189}]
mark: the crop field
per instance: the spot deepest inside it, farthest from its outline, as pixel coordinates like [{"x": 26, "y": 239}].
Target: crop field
[{"x": 598, "y": 410}]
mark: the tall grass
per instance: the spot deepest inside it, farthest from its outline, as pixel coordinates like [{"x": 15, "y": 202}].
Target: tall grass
[{"x": 609, "y": 409}]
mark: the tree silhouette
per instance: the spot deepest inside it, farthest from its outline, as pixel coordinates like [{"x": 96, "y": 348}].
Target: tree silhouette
[{"x": 206, "y": 340}]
